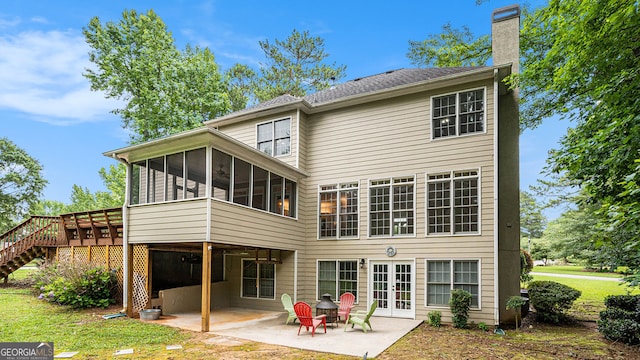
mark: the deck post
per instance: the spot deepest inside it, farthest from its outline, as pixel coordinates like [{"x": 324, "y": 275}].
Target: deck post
[
  {"x": 206, "y": 285},
  {"x": 128, "y": 261}
]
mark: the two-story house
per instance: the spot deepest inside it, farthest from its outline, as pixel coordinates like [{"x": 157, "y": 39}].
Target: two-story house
[{"x": 396, "y": 187}]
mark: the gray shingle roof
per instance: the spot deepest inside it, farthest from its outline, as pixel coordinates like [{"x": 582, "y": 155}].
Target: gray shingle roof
[
  {"x": 386, "y": 80},
  {"x": 373, "y": 83}
]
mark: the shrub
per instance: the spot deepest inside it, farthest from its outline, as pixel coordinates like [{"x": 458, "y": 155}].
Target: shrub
[
  {"x": 434, "y": 318},
  {"x": 516, "y": 303},
  {"x": 624, "y": 302},
  {"x": 526, "y": 265},
  {"x": 551, "y": 299},
  {"x": 621, "y": 319},
  {"x": 483, "y": 326},
  {"x": 460, "y": 303},
  {"x": 79, "y": 286}
]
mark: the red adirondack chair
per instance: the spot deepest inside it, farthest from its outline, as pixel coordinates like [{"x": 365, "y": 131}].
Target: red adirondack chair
[
  {"x": 346, "y": 303},
  {"x": 306, "y": 318}
]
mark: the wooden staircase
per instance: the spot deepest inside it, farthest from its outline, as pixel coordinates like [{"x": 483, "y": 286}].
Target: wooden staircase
[
  {"x": 26, "y": 241},
  {"x": 30, "y": 239}
]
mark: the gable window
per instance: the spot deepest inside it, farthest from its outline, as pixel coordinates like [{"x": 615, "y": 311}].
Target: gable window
[
  {"x": 274, "y": 137},
  {"x": 392, "y": 207},
  {"x": 258, "y": 280},
  {"x": 453, "y": 203},
  {"x": 441, "y": 280},
  {"x": 337, "y": 277},
  {"x": 338, "y": 211},
  {"x": 458, "y": 114}
]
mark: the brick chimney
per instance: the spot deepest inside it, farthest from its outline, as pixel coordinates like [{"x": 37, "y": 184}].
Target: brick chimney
[{"x": 505, "y": 36}]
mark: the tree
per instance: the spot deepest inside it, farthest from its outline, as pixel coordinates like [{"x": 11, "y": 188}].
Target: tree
[
  {"x": 165, "y": 91},
  {"x": 239, "y": 80},
  {"x": 21, "y": 183},
  {"x": 532, "y": 221},
  {"x": 294, "y": 66},
  {"x": 82, "y": 199},
  {"x": 452, "y": 47}
]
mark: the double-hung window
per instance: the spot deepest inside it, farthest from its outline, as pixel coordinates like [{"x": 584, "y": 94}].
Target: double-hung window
[
  {"x": 337, "y": 277},
  {"x": 446, "y": 275},
  {"x": 457, "y": 114},
  {"x": 274, "y": 137},
  {"x": 338, "y": 209},
  {"x": 453, "y": 202},
  {"x": 392, "y": 207},
  {"x": 258, "y": 280}
]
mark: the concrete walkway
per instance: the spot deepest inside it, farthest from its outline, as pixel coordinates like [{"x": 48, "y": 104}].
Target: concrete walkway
[
  {"x": 232, "y": 325},
  {"x": 570, "y": 276}
]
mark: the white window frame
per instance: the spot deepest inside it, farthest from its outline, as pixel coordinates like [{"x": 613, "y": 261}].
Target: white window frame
[
  {"x": 258, "y": 265},
  {"x": 452, "y": 216},
  {"x": 274, "y": 139},
  {"x": 338, "y": 189},
  {"x": 337, "y": 280},
  {"x": 391, "y": 183},
  {"x": 451, "y": 280},
  {"x": 457, "y": 114}
]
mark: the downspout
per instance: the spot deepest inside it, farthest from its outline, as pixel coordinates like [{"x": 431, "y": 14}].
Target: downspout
[
  {"x": 496, "y": 287},
  {"x": 298, "y": 139},
  {"x": 125, "y": 230}
]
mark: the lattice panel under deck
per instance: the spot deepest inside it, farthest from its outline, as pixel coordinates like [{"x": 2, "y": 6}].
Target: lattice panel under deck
[
  {"x": 98, "y": 256},
  {"x": 115, "y": 262},
  {"x": 64, "y": 254},
  {"x": 81, "y": 255}
]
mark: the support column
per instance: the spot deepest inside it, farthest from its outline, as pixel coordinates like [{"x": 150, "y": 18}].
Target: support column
[
  {"x": 128, "y": 278},
  {"x": 206, "y": 285}
]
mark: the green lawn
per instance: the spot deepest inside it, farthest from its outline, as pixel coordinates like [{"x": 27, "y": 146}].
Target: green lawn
[
  {"x": 572, "y": 270},
  {"x": 591, "y": 302},
  {"x": 25, "y": 318}
]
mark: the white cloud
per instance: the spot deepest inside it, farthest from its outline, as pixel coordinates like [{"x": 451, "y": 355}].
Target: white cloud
[{"x": 41, "y": 76}]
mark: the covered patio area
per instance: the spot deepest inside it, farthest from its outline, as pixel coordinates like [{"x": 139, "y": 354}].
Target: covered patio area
[{"x": 235, "y": 324}]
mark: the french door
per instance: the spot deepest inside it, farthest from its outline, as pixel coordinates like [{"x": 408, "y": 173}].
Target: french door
[{"x": 392, "y": 285}]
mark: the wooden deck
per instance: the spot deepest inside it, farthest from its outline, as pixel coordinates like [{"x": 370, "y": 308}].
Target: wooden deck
[{"x": 26, "y": 241}]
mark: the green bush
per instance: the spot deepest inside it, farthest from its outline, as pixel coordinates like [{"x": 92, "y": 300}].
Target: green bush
[
  {"x": 624, "y": 302},
  {"x": 435, "y": 318},
  {"x": 75, "y": 285},
  {"x": 621, "y": 319},
  {"x": 460, "y": 303},
  {"x": 551, "y": 300},
  {"x": 483, "y": 326}
]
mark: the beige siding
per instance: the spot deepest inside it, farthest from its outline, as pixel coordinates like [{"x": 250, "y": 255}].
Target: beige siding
[
  {"x": 181, "y": 221},
  {"x": 246, "y": 132},
  {"x": 392, "y": 138},
  {"x": 240, "y": 225},
  {"x": 284, "y": 283}
]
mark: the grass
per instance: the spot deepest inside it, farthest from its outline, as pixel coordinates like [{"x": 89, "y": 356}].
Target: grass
[
  {"x": 25, "y": 318},
  {"x": 572, "y": 270}
]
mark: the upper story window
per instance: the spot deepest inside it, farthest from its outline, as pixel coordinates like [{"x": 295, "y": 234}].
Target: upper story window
[
  {"x": 338, "y": 209},
  {"x": 392, "y": 207},
  {"x": 274, "y": 137},
  {"x": 458, "y": 114},
  {"x": 172, "y": 177},
  {"x": 453, "y": 202},
  {"x": 243, "y": 183}
]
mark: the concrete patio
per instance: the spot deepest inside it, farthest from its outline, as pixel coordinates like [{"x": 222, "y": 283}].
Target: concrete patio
[{"x": 233, "y": 324}]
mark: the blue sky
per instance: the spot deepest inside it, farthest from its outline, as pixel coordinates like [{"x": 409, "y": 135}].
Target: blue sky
[{"x": 47, "y": 108}]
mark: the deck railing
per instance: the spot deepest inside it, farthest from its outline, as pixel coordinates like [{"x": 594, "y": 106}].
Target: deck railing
[
  {"x": 35, "y": 231},
  {"x": 97, "y": 227}
]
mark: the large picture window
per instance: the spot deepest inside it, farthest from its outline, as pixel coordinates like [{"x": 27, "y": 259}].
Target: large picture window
[
  {"x": 258, "y": 280},
  {"x": 338, "y": 209},
  {"x": 446, "y": 275},
  {"x": 274, "y": 137},
  {"x": 453, "y": 202},
  {"x": 458, "y": 114},
  {"x": 392, "y": 207},
  {"x": 337, "y": 277}
]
